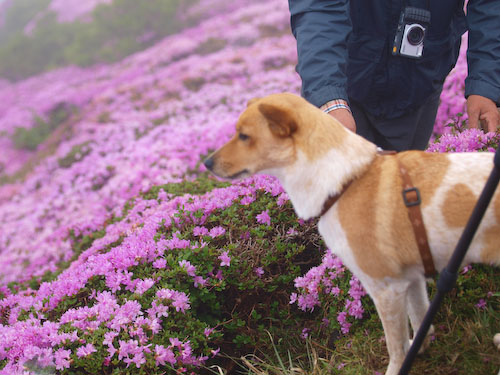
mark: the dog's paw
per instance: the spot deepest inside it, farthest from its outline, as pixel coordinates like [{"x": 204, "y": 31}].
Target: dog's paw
[
  {"x": 496, "y": 340},
  {"x": 427, "y": 340}
]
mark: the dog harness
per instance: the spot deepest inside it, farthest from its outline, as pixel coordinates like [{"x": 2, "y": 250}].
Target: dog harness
[{"x": 412, "y": 200}]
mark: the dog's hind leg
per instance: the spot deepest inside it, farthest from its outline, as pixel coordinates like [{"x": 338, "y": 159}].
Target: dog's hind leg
[
  {"x": 418, "y": 304},
  {"x": 390, "y": 301}
]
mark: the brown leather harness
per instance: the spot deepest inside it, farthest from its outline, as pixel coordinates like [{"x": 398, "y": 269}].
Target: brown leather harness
[{"x": 412, "y": 200}]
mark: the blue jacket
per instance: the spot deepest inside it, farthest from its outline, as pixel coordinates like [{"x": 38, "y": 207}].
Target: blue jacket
[{"x": 344, "y": 51}]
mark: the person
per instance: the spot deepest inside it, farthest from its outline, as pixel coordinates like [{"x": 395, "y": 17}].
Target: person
[{"x": 348, "y": 67}]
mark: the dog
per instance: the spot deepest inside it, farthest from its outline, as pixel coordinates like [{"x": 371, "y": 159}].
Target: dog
[{"x": 368, "y": 227}]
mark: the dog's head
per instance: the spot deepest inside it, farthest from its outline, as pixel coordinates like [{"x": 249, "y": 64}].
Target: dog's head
[{"x": 269, "y": 134}]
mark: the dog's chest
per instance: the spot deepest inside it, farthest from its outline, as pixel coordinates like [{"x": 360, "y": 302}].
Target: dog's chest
[{"x": 336, "y": 240}]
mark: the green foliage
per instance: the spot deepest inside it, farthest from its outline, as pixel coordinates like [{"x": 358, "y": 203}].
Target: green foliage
[
  {"x": 104, "y": 117},
  {"x": 196, "y": 187},
  {"x": 194, "y": 84},
  {"x": 116, "y": 31},
  {"x": 210, "y": 46},
  {"x": 76, "y": 154},
  {"x": 17, "y": 16},
  {"x": 22, "y": 56},
  {"x": 31, "y": 138}
]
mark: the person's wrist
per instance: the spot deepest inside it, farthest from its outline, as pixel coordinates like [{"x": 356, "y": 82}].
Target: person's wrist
[{"x": 335, "y": 104}]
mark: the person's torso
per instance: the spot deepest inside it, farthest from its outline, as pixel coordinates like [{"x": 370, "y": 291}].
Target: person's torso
[{"x": 388, "y": 85}]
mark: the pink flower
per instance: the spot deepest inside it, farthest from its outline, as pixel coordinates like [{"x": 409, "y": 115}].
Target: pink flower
[
  {"x": 344, "y": 324},
  {"x": 179, "y": 300},
  {"x": 282, "y": 199},
  {"x": 216, "y": 232},
  {"x": 160, "y": 263},
  {"x": 356, "y": 291},
  {"x": 305, "y": 333},
  {"x": 208, "y": 331},
  {"x": 164, "y": 355},
  {"x": 335, "y": 291},
  {"x": 247, "y": 200},
  {"x": 481, "y": 304},
  {"x": 225, "y": 259},
  {"x": 131, "y": 348},
  {"x": 466, "y": 269},
  {"x": 188, "y": 267},
  {"x": 264, "y": 218},
  {"x": 199, "y": 281},
  {"x": 355, "y": 309},
  {"x": 85, "y": 351},
  {"x": 143, "y": 285},
  {"x": 200, "y": 231},
  {"x": 259, "y": 271},
  {"x": 61, "y": 358}
]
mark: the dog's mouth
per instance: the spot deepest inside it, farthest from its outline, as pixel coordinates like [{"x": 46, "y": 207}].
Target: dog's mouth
[
  {"x": 239, "y": 174},
  {"x": 216, "y": 169}
]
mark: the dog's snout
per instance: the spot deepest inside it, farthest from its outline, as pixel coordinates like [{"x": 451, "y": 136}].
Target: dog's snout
[{"x": 209, "y": 163}]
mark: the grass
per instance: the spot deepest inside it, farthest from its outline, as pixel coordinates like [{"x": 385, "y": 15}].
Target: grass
[
  {"x": 462, "y": 342},
  {"x": 48, "y": 134}
]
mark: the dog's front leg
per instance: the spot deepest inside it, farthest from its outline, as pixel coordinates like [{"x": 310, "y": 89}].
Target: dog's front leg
[{"x": 390, "y": 301}]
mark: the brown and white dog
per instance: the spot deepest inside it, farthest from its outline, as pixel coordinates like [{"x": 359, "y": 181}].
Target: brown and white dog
[{"x": 314, "y": 157}]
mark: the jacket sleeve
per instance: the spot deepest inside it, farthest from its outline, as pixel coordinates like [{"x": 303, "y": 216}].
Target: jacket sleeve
[
  {"x": 321, "y": 28},
  {"x": 483, "y": 53}
]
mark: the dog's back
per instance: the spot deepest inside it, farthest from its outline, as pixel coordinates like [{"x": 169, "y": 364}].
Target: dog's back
[{"x": 374, "y": 219}]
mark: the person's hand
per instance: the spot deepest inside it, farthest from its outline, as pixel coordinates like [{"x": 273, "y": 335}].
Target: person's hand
[
  {"x": 483, "y": 109},
  {"x": 344, "y": 116}
]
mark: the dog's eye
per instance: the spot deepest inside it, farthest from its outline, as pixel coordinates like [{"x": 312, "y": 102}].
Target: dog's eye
[{"x": 243, "y": 137}]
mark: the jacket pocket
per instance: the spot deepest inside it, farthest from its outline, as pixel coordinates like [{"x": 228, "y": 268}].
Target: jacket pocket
[
  {"x": 439, "y": 57},
  {"x": 365, "y": 53}
]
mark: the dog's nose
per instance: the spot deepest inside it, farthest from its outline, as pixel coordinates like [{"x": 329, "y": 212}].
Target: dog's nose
[{"x": 209, "y": 163}]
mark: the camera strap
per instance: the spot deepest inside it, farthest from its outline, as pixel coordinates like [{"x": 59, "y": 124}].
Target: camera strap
[{"x": 427, "y": 5}]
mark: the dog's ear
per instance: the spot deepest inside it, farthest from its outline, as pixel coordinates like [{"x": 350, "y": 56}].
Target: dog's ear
[
  {"x": 252, "y": 101},
  {"x": 281, "y": 122}
]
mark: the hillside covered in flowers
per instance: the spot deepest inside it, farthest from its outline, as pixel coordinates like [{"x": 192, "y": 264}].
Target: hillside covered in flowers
[{"x": 117, "y": 253}]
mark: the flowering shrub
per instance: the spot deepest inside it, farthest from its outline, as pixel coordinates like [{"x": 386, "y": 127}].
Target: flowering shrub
[
  {"x": 166, "y": 294},
  {"x": 467, "y": 140},
  {"x": 323, "y": 285},
  {"x": 117, "y": 254},
  {"x": 461, "y": 139}
]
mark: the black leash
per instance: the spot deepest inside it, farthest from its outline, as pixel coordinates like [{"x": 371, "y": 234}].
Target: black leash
[{"x": 449, "y": 274}]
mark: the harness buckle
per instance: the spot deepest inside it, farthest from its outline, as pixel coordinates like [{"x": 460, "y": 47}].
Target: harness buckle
[{"x": 408, "y": 202}]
